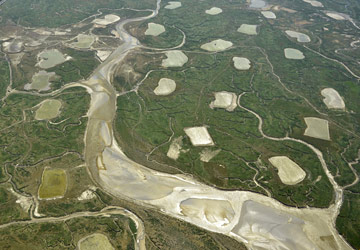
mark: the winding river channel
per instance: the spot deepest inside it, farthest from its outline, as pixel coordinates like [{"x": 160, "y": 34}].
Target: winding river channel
[{"x": 260, "y": 222}]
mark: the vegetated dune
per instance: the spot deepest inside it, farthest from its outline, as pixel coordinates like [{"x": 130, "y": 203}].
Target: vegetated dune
[
  {"x": 317, "y": 128},
  {"x": 175, "y": 58},
  {"x": 332, "y": 99},
  {"x": 213, "y": 11},
  {"x": 225, "y": 100},
  {"x": 165, "y": 87},
  {"x": 49, "y": 109},
  {"x": 217, "y": 45},
  {"x": 154, "y": 29},
  {"x": 301, "y": 37},
  {"x": 248, "y": 29},
  {"x": 268, "y": 14},
  {"x": 199, "y": 136},
  {"x": 241, "y": 63},
  {"x": 293, "y": 54},
  {"x": 173, "y": 5},
  {"x": 289, "y": 172}
]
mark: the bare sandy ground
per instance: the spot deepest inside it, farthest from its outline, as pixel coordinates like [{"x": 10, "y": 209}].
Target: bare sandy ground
[
  {"x": 175, "y": 58},
  {"x": 175, "y": 148},
  {"x": 103, "y": 54},
  {"x": 241, "y": 63},
  {"x": 248, "y": 29},
  {"x": 293, "y": 54},
  {"x": 217, "y": 45},
  {"x": 154, "y": 29},
  {"x": 314, "y": 3},
  {"x": 206, "y": 155},
  {"x": 289, "y": 173},
  {"x": 173, "y": 5},
  {"x": 301, "y": 37},
  {"x": 165, "y": 87},
  {"x": 213, "y": 11},
  {"x": 332, "y": 99},
  {"x": 268, "y": 14},
  {"x": 40, "y": 81},
  {"x": 49, "y": 109},
  {"x": 199, "y": 136},
  {"x": 335, "y": 16},
  {"x": 108, "y": 19},
  {"x": 317, "y": 128},
  {"x": 225, "y": 100}
]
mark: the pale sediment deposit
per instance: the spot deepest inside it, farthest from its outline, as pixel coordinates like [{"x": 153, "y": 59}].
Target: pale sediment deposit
[
  {"x": 301, "y": 37},
  {"x": 206, "y": 155},
  {"x": 225, "y": 100},
  {"x": 332, "y": 99},
  {"x": 335, "y": 16},
  {"x": 199, "y": 136},
  {"x": 241, "y": 63},
  {"x": 40, "y": 81},
  {"x": 154, "y": 29},
  {"x": 268, "y": 14},
  {"x": 83, "y": 41},
  {"x": 165, "y": 87},
  {"x": 219, "y": 212},
  {"x": 294, "y": 54},
  {"x": 50, "y": 58},
  {"x": 95, "y": 241},
  {"x": 257, "y": 4},
  {"x": 213, "y": 11},
  {"x": 14, "y": 46},
  {"x": 175, "y": 148},
  {"x": 217, "y": 45},
  {"x": 248, "y": 29},
  {"x": 48, "y": 109},
  {"x": 290, "y": 173},
  {"x": 173, "y": 5},
  {"x": 87, "y": 195},
  {"x": 108, "y": 19},
  {"x": 103, "y": 54},
  {"x": 175, "y": 58},
  {"x": 314, "y": 3},
  {"x": 317, "y": 128}
]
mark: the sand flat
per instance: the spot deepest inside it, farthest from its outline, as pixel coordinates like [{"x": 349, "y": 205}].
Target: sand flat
[
  {"x": 289, "y": 172},
  {"x": 48, "y": 109},
  {"x": 206, "y": 155},
  {"x": 314, "y": 3},
  {"x": 173, "y": 5},
  {"x": 175, "y": 148},
  {"x": 50, "y": 58},
  {"x": 199, "y": 136},
  {"x": 175, "y": 58},
  {"x": 225, "y": 100},
  {"x": 213, "y": 11},
  {"x": 165, "y": 87},
  {"x": 40, "y": 81},
  {"x": 293, "y": 54},
  {"x": 241, "y": 63},
  {"x": 332, "y": 99},
  {"x": 217, "y": 45},
  {"x": 248, "y": 29},
  {"x": 95, "y": 241},
  {"x": 335, "y": 16},
  {"x": 301, "y": 37},
  {"x": 317, "y": 128},
  {"x": 108, "y": 19},
  {"x": 83, "y": 41},
  {"x": 154, "y": 29},
  {"x": 268, "y": 14}
]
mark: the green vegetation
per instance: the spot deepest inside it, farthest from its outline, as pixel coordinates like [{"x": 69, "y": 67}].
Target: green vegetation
[{"x": 4, "y": 77}]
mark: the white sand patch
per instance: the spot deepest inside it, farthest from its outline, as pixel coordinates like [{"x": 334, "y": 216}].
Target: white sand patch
[
  {"x": 288, "y": 10},
  {"x": 268, "y": 14},
  {"x": 293, "y": 54},
  {"x": 290, "y": 173},
  {"x": 199, "y": 136},
  {"x": 87, "y": 194},
  {"x": 40, "y": 81},
  {"x": 248, "y": 29},
  {"x": 24, "y": 202},
  {"x": 301, "y": 37},
  {"x": 225, "y": 100},
  {"x": 173, "y": 5},
  {"x": 175, "y": 148},
  {"x": 175, "y": 58},
  {"x": 165, "y": 87},
  {"x": 217, "y": 45},
  {"x": 241, "y": 63},
  {"x": 332, "y": 99},
  {"x": 108, "y": 19},
  {"x": 206, "y": 155},
  {"x": 154, "y": 29},
  {"x": 317, "y": 128},
  {"x": 103, "y": 54},
  {"x": 105, "y": 133},
  {"x": 314, "y": 3},
  {"x": 257, "y": 4},
  {"x": 213, "y": 11},
  {"x": 219, "y": 212},
  {"x": 50, "y": 58},
  {"x": 335, "y": 16},
  {"x": 83, "y": 41}
]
